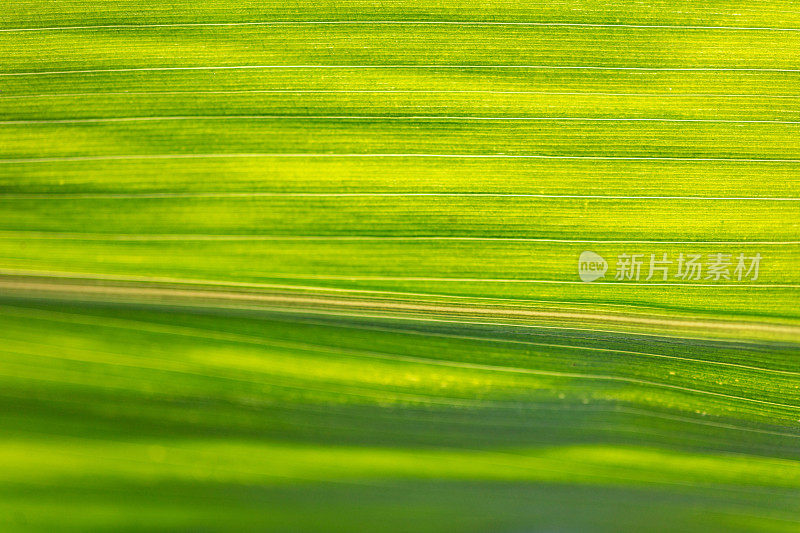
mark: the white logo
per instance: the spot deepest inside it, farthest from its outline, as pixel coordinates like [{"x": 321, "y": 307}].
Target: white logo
[{"x": 591, "y": 266}]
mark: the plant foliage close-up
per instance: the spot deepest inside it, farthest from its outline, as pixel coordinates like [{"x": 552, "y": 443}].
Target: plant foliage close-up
[{"x": 429, "y": 266}]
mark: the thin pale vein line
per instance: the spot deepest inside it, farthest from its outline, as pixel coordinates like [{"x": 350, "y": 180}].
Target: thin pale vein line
[
  {"x": 100, "y": 120},
  {"x": 407, "y": 66},
  {"x": 403, "y": 23},
  {"x": 514, "y": 280},
  {"x": 393, "y": 91},
  {"x": 157, "y": 195},
  {"x": 666, "y": 416},
  {"x": 45, "y": 235},
  {"x": 391, "y": 155}
]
